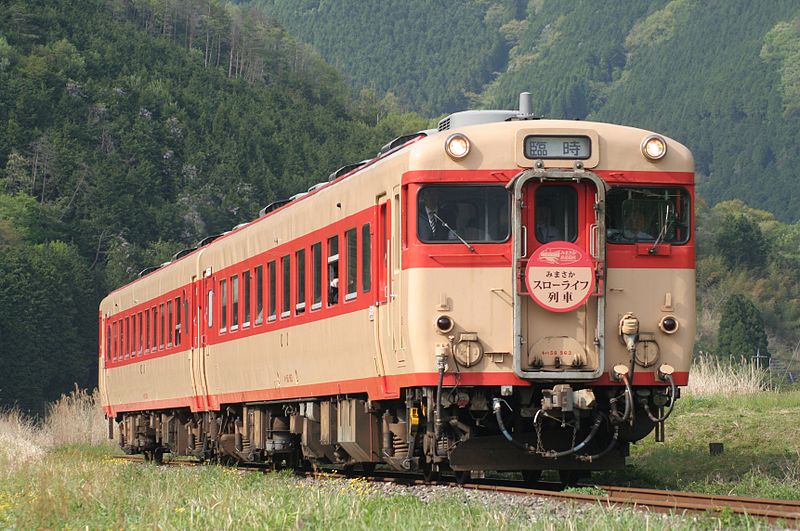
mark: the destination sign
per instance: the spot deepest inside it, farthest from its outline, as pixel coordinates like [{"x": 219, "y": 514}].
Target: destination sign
[{"x": 557, "y": 147}]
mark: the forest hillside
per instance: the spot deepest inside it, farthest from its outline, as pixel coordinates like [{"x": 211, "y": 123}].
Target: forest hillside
[
  {"x": 721, "y": 76},
  {"x": 130, "y": 129}
]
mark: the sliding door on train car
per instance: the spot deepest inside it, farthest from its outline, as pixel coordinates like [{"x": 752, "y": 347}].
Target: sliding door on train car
[
  {"x": 560, "y": 314},
  {"x": 202, "y": 295}
]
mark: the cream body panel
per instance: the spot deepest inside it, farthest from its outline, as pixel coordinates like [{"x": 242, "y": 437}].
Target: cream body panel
[
  {"x": 164, "y": 378},
  {"x": 329, "y": 350},
  {"x": 643, "y": 292},
  {"x": 473, "y": 306}
]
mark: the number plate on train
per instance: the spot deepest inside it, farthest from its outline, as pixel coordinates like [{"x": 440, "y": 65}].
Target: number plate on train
[{"x": 557, "y": 147}]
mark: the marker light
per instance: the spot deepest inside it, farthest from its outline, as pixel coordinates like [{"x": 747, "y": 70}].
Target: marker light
[
  {"x": 654, "y": 147},
  {"x": 444, "y": 324},
  {"x": 457, "y": 146}
]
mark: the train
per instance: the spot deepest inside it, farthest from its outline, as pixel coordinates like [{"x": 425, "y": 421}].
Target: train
[{"x": 503, "y": 293}]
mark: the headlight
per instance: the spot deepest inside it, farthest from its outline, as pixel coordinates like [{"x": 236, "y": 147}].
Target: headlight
[
  {"x": 457, "y": 146},
  {"x": 654, "y": 147}
]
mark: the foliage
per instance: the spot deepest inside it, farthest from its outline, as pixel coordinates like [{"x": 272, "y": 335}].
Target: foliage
[
  {"x": 434, "y": 56},
  {"x": 740, "y": 242},
  {"x": 741, "y": 329},
  {"x": 722, "y": 77},
  {"x": 130, "y": 129},
  {"x": 46, "y": 329}
]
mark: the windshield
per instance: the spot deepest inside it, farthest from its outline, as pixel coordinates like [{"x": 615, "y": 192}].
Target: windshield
[
  {"x": 450, "y": 214},
  {"x": 647, "y": 214}
]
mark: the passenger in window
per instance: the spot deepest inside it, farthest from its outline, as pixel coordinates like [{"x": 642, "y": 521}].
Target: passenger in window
[
  {"x": 546, "y": 231},
  {"x": 432, "y": 217},
  {"x": 333, "y": 291}
]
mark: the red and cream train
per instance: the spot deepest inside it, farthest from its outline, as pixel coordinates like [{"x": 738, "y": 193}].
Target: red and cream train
[{"x": 503, "y": 293}]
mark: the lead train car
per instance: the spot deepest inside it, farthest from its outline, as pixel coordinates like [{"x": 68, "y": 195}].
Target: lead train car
[{"x": 505, "y": 293}]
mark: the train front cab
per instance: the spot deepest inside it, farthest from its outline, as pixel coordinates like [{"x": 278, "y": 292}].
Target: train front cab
[{"x": 599, "y": 312}]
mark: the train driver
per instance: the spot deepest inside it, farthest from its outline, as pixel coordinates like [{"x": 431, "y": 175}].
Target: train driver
[{"x": 432, "y": 216}]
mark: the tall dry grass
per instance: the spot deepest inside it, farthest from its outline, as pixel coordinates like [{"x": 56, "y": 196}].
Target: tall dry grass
[
  {"x": 712, "y": 377},
  {"x": 75, "y": 418}
]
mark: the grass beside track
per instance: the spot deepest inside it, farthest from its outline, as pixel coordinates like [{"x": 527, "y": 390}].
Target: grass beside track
[
  {"x": 761, "y": 437},
  {"x": 82, "y": 487},
  {"x": 48, "y": 481}
]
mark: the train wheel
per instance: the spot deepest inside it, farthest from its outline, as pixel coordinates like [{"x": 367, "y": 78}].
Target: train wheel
[
  {"x": 158, "y": 456},
  {"x": 429, "y": 471},
  {"x": 462, "y": 476},
  {"x": 531, "y": 477}
]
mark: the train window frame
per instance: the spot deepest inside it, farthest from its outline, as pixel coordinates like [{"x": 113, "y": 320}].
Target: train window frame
[
  {"x": 141, "y": 334},
  {"x": 286, "y": 286},
  {"x": 134, "y": 336},
  {"x": 272, "y": 302},
  {"x": 247, "y": 299},
  {"x": 448, "y": 200},
  {"x": 210, "y": 309},
  {"x": 177, "y": 321},
  {"x": 351, "y": 264},
  {"x": 154, "y": 313},
  {"x": 541, "y": 230},
  {"x": 259, "y": 287},
  {"x": 334, "y": 271},
  {"x": 169, "y": 323},
  {"x": 300, "y": 282},
  {"x": 147, "y": 330},
  {"x": 316, "y": 276},
  {"x": 366, "y": 258},
  {"x": 223, "y": 306},
  {"x": 234, "y": 302},
  {"x": 108, "y": 340},
  {"x": 161, "y": 342},
  {"x": 127, "y": 335},
  {"x": 649, "y": 205},
  {"x": 114, "y": 344}
]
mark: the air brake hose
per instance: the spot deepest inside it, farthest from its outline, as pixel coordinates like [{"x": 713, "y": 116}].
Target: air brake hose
[
  {"x": 596, "y": 426},
  {"x": 673, "y": 392},
  {"x": 611, "y": 445},
  {"x": 496, "y": 405},
  {"x": 628, "y": 414},
  {"x": 437, "y": 423},
  {"x": 498, "y": 413}
]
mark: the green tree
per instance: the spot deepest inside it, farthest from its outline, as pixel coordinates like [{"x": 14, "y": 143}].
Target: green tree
[
  {"x": 741, "y": 243},
  {"x": 741, "y": 329}
]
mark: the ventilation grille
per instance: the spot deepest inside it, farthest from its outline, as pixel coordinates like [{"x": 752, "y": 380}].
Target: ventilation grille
[{"x": 444, "y": 125}]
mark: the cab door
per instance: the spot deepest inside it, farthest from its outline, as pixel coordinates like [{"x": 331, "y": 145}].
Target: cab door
[{"x": 560, "y": 254}]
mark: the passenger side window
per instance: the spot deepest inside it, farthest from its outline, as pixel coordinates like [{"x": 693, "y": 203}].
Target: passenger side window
[
  {"x": 366, "y": 259},
  {"x": 286, "y": 270},
  {"x": 333, "y": 270},
  {"x": 316, "y": 258},
  {"x": 351, "y": 237},
  {"x": 300, "y": 264}
]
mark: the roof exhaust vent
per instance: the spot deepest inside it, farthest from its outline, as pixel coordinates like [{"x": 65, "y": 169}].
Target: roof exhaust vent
[{"x": 525, "y": 104}]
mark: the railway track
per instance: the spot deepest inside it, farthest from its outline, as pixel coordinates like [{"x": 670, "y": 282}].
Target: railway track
[{"x": 785, "y": 512}]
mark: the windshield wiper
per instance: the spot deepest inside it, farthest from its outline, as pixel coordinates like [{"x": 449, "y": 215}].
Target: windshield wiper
[
  {"x": 663, "y": 233},
  {"x": 445, "y": 225}
]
